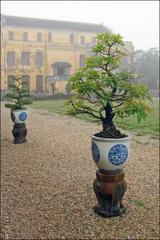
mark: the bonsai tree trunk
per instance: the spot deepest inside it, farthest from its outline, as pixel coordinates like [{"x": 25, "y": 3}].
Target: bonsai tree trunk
[
  {"x": 108, "y": 121},
  {"x": 109, "y": 129}
]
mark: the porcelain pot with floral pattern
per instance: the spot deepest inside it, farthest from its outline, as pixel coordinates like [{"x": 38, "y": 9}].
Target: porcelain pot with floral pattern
[
  {"x": 19, "y": 116},
  {"x": 110, "y": 154}
]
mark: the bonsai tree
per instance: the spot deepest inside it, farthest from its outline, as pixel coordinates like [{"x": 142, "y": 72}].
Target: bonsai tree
[
  {"x": 18, "y": 94},
  {"x": 103, "y": 91}
]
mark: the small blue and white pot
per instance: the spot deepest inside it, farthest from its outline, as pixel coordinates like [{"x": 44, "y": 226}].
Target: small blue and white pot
[
  {"x": 110, "y": 154},
  {"x": 19, "y": 116}
]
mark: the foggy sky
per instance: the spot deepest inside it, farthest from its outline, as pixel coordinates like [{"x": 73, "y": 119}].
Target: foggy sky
[{"x": 136, "y": 21}]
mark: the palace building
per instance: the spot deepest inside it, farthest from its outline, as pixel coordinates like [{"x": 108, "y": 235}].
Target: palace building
[{"x": 47, "y": 51}]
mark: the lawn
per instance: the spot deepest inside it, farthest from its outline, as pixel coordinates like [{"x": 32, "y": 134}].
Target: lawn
[{"x": 148, "y": 126}]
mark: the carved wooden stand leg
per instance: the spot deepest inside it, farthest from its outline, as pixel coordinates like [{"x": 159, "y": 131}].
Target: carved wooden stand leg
[
  {"x": 19, "y": 132},
  {"x": 109, "y": 189}
]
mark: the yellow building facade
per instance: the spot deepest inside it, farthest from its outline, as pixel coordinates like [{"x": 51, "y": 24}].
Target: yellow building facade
[{"x": 46, "y": 51}]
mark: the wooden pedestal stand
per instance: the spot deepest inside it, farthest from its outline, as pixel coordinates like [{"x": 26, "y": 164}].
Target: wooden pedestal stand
[
  {"x": 109, "y": 188},
  {"x": 19, "y": 132}
]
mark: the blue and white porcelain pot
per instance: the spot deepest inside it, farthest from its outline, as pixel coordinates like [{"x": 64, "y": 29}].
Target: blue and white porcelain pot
[
  {"x": 19, "y": 116},
  {"x": 110, "y": 154}
]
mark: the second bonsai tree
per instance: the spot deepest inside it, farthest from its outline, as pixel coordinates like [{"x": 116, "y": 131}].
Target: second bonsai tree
[{"x": 18, "y": 96}]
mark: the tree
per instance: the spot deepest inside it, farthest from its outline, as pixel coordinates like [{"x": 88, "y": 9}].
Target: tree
[
  {"x": 146, "y": 65},
  {"x": 18, "y": 94},
  {"x": 102, "y": 91}
]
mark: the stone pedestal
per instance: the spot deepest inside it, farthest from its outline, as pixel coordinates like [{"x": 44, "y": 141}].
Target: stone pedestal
[
  {"x": 109, "y": 188},
  {"x": 19, "y": 132}
]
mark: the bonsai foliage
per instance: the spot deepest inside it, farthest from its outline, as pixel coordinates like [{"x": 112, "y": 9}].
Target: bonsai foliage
[
  {"x": 17, "y": 94},
  {"x": 102, "y": 91}
]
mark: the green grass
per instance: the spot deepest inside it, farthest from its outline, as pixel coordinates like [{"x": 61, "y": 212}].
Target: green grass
[
  {"x": 148, "y": 126},
  {"x": 54, "y": 106},
  {"x": 138, "y": 203}
]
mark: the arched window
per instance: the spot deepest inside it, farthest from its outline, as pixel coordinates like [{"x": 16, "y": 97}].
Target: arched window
[
  {"x": 39, "y": 83},
  {"x": 26, "y": 80},
  {"x": 10, "y": 80},
  {"x": 10, "y": 59},
  {"x": 39, "y": 59}
]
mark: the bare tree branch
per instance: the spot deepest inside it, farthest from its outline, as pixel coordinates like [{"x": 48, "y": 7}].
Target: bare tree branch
[{"x": 86, "y": 110}]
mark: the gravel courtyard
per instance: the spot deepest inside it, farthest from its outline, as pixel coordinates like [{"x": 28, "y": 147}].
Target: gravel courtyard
[{"x": 46, "y": 183}]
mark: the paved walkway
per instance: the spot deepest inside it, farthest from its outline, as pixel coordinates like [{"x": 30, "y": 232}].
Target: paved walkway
[{"x": 47, "y": 183}]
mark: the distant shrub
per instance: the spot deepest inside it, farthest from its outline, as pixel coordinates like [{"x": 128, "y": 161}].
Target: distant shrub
[{"x": 50, "y": 97}]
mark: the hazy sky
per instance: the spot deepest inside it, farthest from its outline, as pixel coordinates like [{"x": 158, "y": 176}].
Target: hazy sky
[{"x": 136, "y": 21}]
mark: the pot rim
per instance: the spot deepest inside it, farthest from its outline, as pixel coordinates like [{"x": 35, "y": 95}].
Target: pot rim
[
  {"x": 128, "y": 137},
  {"x": 19, "y": 110}
]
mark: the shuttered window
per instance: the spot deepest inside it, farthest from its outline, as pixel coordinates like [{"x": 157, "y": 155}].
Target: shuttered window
[
  {"x": 25, "y": 58},
  {"x": 39, "y": 84},
  {"x": 71, "y": 38},
  {"x": 10, "y": 81},
  {"x": 10, "y": 35},
  {"x": 10, "y": 59},
  {"x": 39, "y": 37},
  {"x": 25, "y": 36},
  {"x": 49, "y": 37},
  {"x": 26, "y": 81},
  {"x": 39, "y": 59}
]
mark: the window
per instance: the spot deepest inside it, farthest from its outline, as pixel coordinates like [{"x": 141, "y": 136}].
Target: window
[
  {"x": 10, "y": 35},
  {"x": 82, "y": 40},
  {"x": 10, "y": 80},
  {"x": 39, "y": 84},
  {"x": 71, "y": 38},
  {"x": 26, "y": 81},
  {"x": 25, "y": 58},
  {"x": 25, "y": 36},
  {"x": 10, "y": 59},
  {"x": 49, "y": 37},
  {"x": 39, "y": 59},
  {"x": 61, "y": 71},
  {"x": 81, "y": 60},
  {"x": 39, "y": 37}
]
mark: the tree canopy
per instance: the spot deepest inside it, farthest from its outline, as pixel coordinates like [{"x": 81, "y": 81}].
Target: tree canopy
[
  {"x": 146, "y": 65},
  {"x": 18, "y": 94},
  {"x": 101, "y": 90}
]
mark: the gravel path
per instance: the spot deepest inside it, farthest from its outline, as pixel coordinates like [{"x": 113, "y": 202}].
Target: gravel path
[{"x": 47, "y": 183}]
